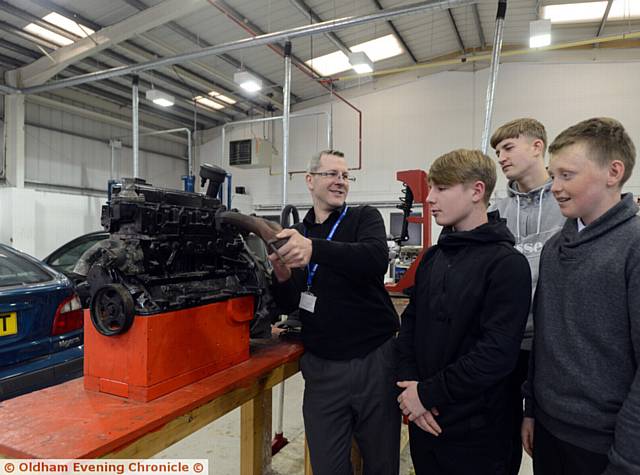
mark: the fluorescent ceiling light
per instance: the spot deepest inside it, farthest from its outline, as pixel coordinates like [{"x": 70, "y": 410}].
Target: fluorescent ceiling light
[
  {"x": 330, "y": 64},
  {"x": 48, "y": 35},
  {"x": 69, "y": 25},
  {"x": 591, "y": 11},
  {"x": 360, "y": 62},
  {"x": 336, "y": 62},
  {"x": 539, "y": 33},
  {"x": 222, "y": 98},
  {"x": 380, "y": 48},
  {"x": 206, "y": 102},
  {"x": 160, "y": 98},
  {"x": 62, "y": 22},
  {"x": 247, "y": 81}
]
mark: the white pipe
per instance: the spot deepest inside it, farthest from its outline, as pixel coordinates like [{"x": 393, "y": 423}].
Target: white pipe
[
  {"x": 134, "y": 120},
  {"x": 286, "y": 111},
  {"x": 266, "y": 39},
  {"x": 493, "y": 74},
  {"x": 113, "y": 160},
  {"x": 171, "y": 131}
]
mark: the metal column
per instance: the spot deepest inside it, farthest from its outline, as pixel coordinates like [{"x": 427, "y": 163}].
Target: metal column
[
  {"x": 493, "y": 74},
  {"x": 134, "y": 120},
  {"x": 285, "y": 120}
]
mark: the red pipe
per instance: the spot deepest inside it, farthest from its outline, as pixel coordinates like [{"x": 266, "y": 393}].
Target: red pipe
[{"x": 302, "y": 67}]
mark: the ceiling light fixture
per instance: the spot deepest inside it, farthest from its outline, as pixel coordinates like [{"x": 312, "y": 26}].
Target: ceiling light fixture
[
  {"x": 68, "y": 24},
  {"x": 160, "y": 98},
  {"x": 247, "y": 81},
  {"x": 222, "y": 98},
  {"x": 539, "y": 33},
  {"x": 61, "y": 22},
  {"x": 360, "y": 62},
  {"x": 47, "y": 35},
  {"x": 377, "y": 49},
  {"x": 585, "y": 12},
  {"x": 207, "y": 102}
]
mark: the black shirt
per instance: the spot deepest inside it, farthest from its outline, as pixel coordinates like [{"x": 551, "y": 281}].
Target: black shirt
[{"x": 353, "y": 312}]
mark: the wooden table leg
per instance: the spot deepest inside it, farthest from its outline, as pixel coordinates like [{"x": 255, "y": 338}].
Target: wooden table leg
[
  {"x": 255, "y": 435},
  {"x": 356, "y": 458},
  {"x": 307, "y": 459}
]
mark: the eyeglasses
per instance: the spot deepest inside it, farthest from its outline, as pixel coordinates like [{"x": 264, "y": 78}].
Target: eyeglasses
[{"x": 334, "y": 175}]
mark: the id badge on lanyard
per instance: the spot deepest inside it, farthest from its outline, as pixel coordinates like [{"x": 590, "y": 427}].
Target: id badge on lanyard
[{"x": 307, "y": 299}]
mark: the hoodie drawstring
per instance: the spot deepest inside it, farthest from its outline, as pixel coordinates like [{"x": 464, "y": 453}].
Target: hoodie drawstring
[
  {"x": 540, "y": 210},
  {"x": 518, "y": 219}
]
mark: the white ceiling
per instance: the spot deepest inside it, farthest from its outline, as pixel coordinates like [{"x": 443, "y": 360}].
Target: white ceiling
[{"x": 429, "y": 36}]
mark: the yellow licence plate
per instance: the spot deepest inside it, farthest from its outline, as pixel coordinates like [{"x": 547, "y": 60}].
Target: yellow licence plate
[{"x": 8, "y": 324}]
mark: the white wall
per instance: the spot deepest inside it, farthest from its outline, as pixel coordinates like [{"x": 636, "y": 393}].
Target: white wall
[
  {"x": 75, "y": 159},
  {"x": 38, "y": 222},
  {"x": 408, "y": 126},
  {"x": 560, "y": 95}
]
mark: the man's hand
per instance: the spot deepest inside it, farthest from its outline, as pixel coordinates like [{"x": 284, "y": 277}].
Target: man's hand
[
  {"x": 427, "y": 422},
  {"x": 280, "y": 269},
  {"x": 296, "y": 252},
  {"x": 526, "y": 432},
  {"x": 410, "y": 403},
  {"x": 412, "y": 407}
]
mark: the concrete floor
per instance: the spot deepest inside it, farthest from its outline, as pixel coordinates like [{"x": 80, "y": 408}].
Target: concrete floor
[{"x": 220, "y": 441}]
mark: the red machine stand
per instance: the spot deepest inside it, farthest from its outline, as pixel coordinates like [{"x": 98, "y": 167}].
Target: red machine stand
[
  {"x": 417, "y": 181},
  {"x": 163, "y": 352}
]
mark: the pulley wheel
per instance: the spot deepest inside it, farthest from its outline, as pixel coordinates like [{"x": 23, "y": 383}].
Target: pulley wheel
[{"x": 112, "y": 310}]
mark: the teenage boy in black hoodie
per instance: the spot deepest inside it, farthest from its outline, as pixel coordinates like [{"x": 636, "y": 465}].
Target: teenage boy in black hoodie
[{"x": 461, "y": 333}]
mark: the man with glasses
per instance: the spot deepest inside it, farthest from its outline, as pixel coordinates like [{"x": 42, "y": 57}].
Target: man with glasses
[{"x": 332, "y": 268}]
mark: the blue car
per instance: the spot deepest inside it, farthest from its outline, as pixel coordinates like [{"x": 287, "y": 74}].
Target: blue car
[{"x": 41, "y": 320}]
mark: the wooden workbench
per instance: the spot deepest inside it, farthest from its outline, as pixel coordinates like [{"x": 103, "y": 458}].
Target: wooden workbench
[{"x": 67, "y": 422}]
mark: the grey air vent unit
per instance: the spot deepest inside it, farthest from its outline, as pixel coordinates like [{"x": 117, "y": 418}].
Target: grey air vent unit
[{"x": 250, "y": 153}]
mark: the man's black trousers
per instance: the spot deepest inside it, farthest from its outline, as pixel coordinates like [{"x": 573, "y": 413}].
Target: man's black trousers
[{"x": 352, "y": 398}]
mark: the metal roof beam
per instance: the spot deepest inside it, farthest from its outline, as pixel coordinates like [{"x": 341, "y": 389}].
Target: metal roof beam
[
  {"x": 308, "y": 12},
  {"x": 397, "y": 34},
  {"x": 182, "y": 113},
  {"x": 42, "y": 69},
  {"x": 476, "y": 20},
  {"x": 605, "y": 17},
  {"x": 256, "y": 31},
  {"x": 217, "y": 115},
  {"x": 261, "y": 40},
  {"x": 454, "y": 25},
  {"x": 165, "y": 78},
  {"x": 203, "y": 87},
  {"x": 196, "y": 40},
  {"x": 129, "y": 45}
]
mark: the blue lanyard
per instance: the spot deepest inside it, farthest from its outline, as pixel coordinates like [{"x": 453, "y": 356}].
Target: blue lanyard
[{"x": 311, "y": 270}]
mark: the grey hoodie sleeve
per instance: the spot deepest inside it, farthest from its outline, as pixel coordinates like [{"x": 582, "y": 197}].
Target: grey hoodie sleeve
[{"x": 624, "y": 455}]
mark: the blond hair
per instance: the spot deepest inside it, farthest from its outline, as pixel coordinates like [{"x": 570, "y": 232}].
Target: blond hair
[
  {"x": 464, "y": 167},
  {"x": 512, "y": 130},
  {"x": 606, "y": 140}
]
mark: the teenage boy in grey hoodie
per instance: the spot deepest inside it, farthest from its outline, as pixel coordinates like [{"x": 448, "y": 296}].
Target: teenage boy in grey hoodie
[
  {"x": 583, "y": 391},
  {"x": 533, "y": 216}
]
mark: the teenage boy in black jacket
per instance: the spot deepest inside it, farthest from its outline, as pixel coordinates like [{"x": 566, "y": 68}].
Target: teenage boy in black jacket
[{"x": 461, "y": 333}]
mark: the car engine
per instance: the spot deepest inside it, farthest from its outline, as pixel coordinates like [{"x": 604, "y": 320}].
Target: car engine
[{"x": 169, "y": 250}]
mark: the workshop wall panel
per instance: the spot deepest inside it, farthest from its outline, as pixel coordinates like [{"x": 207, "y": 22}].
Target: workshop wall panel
[
  {"x": 408, "y": 126},
  {"x": 65, "y": 149}
]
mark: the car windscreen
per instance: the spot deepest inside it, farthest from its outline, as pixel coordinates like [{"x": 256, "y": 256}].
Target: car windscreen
[
  {"x": 66, "y": 260},
  {"x": 16, "y": 270}
]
